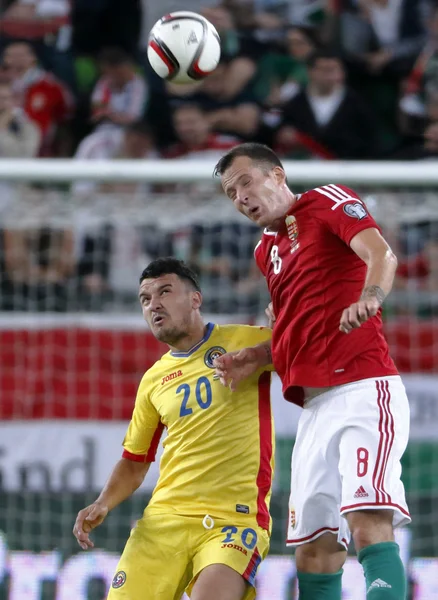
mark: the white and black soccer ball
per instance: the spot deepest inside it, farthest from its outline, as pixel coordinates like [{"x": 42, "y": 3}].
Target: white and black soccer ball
[{"x": 183, "y": 47}]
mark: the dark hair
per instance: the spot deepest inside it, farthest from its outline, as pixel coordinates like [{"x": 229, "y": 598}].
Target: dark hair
[
  {"x": 114, "y": 57},
  {"x": 167, "y": 266},
  {"x": 323, "y": 54},
  {"x": 259, "y": 153}
]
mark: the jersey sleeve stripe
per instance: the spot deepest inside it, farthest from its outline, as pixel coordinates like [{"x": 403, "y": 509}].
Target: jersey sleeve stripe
[
  {"x": 134, "y": 457},
  {"x": 339, "y": 192},
  {"x": 149, "y": 456},
  {"x": 264, "y": 476}
]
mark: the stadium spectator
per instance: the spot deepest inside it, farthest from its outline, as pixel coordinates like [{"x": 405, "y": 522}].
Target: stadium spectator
[
  {"x": 380, "y": 41},
  {"x": 134, "y": 141},
  {"x": 239, "y": 46},
  {"x": 196, "y": 140},
  {"x": 423, "y": 268},
  {"x": 423, "y": 77},
  {"x": 119, "y": 98},
  {"x": 417, "y": 280},
  {"x": 421, "y": 134},
  {"x": 137, "y": 143},
  {"x": 46, "y": 24},
  {"x": 38, "y": 264},
  {"x": 282, "y": 75},
  {"x": 381, "y": 35},
  {"x": 43, "y": 98},
  {"x": 19, "y": 137},
  {"x": 221, "y": 255},
  {"x": 238, "y": 115},
  {"x": 109, "y": 257},
  {"x": 327, "y": 118}
]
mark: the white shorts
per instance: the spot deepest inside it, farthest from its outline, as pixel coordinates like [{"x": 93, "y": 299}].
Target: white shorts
[{"x": 346, "y": 457}]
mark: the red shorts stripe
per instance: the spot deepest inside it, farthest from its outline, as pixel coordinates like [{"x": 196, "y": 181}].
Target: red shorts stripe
[
  {"x": 383, "y": 505},
  {"x": 379, "y": 450},
  {"x": 388, "y": 433},
  {"x": 386, "y": 441},
  {"x": 391, "y": 434},
  {"x": 307, "y": 538},
  {"x": 251, "y": 564},
  {"x": 380, "y": 482}
]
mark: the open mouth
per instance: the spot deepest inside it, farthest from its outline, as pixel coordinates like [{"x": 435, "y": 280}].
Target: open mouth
[
  {"x": 253, "y": 211},
  {"x": 157, "y": 319}
]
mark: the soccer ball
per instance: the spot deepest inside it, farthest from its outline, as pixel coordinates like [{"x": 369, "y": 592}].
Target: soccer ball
[{"x": 183, "y": 47}]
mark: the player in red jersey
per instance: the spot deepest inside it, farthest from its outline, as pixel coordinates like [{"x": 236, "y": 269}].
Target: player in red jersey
[{"x": 328, "y": 270}]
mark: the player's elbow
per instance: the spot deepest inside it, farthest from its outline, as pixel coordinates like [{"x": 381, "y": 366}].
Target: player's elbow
[{"x": 391, "y": 259}]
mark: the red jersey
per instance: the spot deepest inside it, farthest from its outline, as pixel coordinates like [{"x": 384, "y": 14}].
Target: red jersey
[{"x": 313, "y": 275}]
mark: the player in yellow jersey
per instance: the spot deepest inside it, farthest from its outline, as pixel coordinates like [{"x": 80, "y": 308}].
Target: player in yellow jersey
[{"x": 207, "y": 526}]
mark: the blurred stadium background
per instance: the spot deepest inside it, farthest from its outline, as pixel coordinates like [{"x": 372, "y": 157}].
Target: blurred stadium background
[{"x": 75, "y": 234}]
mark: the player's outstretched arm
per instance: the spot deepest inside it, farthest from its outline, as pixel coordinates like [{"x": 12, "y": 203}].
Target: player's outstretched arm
[
  {"x": 234, "y": 367},
  {"x": 125, "y": 478},
  {"x": 381, "y": 263}
]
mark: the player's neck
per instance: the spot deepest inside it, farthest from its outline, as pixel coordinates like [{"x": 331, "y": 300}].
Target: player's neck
[
  {"x": 277, "y": 223},
  {"x": 193, "y": 337}
]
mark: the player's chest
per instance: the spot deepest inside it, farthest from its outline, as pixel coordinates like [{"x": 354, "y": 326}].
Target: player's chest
[
  {"x": 292, "y": 250},
  {"x": 191, "y": 393}
]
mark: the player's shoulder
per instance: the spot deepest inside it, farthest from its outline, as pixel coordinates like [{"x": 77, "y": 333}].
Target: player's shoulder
[
  {"x": 155, "y": 371},
  {"x": 331, "y": 193},
  {"x": 237, "y": 336}
]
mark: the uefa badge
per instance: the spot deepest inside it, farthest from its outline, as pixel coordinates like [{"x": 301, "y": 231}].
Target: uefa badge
[{"x": 292, "y": 233}]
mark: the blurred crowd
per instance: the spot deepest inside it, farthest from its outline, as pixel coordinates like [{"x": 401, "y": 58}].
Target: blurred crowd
[
  {"x": 314, "y": 79},
  {"x": 326, "y": 79}
]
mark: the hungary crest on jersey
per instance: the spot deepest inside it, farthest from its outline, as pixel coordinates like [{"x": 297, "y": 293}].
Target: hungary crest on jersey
[{"x": 292, "y": 233}]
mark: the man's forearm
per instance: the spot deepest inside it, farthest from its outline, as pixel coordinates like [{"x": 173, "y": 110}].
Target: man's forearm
[
  {"x": 263, "y": 354},
  {"x": 380, "y": 277},
  {"x": 125, "y": 478}
]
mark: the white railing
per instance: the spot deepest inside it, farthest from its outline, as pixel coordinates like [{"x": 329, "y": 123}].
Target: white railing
[{"x": 387, "y": 174}]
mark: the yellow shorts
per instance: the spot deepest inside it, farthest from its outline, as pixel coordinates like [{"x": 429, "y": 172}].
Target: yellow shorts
[{"x": 165, "y": 553}]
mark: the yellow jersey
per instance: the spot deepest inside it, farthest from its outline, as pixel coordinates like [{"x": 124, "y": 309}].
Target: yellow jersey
[{"x": 218, "y": 456}]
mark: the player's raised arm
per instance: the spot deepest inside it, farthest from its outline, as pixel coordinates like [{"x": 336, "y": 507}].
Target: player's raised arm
[
  {"x": 381, "y": 263},
  {"x": 125, "y": 478}
]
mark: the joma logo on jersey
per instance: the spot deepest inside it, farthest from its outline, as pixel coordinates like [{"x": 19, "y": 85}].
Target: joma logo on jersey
[
  {"x": 236, "y": 547},
  {"x": 167, "y": 378}
]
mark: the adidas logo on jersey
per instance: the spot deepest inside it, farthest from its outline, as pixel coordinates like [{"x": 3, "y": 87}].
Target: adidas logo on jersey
[
  {"x": 361, "y": 493},
  {"x": 378, "y": 583}
]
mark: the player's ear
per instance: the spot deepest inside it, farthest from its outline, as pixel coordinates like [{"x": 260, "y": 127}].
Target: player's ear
[
  {"x": 196, "y": 300},
  {"x": 279, "y": 175}
]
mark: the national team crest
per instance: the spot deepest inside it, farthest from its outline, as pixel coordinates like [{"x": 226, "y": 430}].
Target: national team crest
[
  {"x": 292, "y": 518},
  {"x": 119, "y": 579},
  {"x": 213, "y": 353},
  {"x": 292, "y": 233}
]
